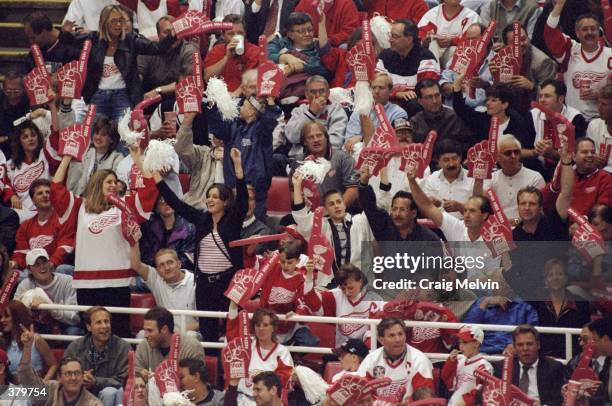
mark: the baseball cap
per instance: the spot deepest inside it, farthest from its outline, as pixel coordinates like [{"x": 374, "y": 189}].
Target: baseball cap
[
  {"x": 470, "y": 333},
  {"x": 352, "y": 346},
  {"x": 34, "y": 254},
  {"x": 402, "y": 124},
  {"x": 3, "y": 357}
]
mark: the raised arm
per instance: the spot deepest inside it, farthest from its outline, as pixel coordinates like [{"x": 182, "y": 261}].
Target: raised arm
[
  {"x": 424, "y": 203},
  {"x": 136, "y": 262},
  {"x": 564, "y": 200}
]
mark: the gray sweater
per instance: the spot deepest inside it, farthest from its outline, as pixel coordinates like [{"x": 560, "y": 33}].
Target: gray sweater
[{"x": 149, "y": 358}]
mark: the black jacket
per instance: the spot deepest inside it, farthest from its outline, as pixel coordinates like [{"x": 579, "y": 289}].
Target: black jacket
[
  {"x": 256, "y": 22},
  {"x": 551, "y": 376},
  {"x": 125, "y": 58},
  {"x": 9, "y": 223},
  {"x": 602, "y": 395},
  {"x": 229, "y": 226}
]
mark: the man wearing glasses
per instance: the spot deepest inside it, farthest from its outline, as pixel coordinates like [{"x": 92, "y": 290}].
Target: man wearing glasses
[{"x": 13, "y": 104}]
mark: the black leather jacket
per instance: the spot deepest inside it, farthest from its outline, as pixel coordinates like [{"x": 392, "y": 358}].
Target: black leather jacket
[{"x": 125, "y": 58}]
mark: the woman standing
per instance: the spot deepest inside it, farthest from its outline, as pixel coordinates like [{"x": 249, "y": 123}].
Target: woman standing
[
  {"x": 113, "y": 84},
  {"x": 215, "y": 261},
  {"x": 102, "y": 272}
]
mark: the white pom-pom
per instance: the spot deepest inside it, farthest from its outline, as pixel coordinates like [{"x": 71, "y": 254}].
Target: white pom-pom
[
  {"x": 127, "y": 135},
  {"x": 154, "y": 396},
  {"x": 341, "y": 96},
  {"x": 316, "y": 170},
  {"x": 160, "y": 156},
  {"x": 217, "y": 93},
  {"x": 381, "y": 29},
  {"x": 313, "y": 385},
  {"x": 364, "y": 101},
  {"x": 176, "y": 399}
]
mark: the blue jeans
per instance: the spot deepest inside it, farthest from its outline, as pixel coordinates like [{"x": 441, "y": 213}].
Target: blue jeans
[
  {"x": 111, "y": 103},
  {"x": 304, "y": 337},
  {"x": 111, "y": 396}
]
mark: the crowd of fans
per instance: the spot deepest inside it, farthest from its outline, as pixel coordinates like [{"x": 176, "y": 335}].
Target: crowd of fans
[{"x": 67, "y": 240}]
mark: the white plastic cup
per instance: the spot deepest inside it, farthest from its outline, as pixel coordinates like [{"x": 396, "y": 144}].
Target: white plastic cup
[{"x": 240, "y": 44}]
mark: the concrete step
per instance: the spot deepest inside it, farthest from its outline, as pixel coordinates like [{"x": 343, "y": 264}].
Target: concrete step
[
  {"x": 12, "y": 36},
  {"x": 16, "y": 10},
  {"x": 13, "y": 59}
]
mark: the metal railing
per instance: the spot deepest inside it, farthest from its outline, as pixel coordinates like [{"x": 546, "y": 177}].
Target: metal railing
[{"x": 372, "y": 323}]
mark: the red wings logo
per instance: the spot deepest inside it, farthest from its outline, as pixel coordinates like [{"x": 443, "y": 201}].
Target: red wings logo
[
  {"x": 280, "y": 295},
  {"x": 587, "y": 78},
  {"x": 109, "y": 70},
  {"x": 40, "y": 241},
  {"x": 104, "y": 221},
  {"x": 349, "y": 329},
  {"x": 23, "y": 181}
]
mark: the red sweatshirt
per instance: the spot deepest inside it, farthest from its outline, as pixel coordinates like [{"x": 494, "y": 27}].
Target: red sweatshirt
[
  {"x": 341, "y": 19},
  {"x": 396, "y": 9}
]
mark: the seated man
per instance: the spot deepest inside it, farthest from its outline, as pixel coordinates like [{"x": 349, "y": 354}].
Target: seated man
[
  {"x": 592, "y": 185},
  {"x": 223, "y": 60},
  {"x": 58, "y": 288},
  {"x": 103, "y": 357},
  {"x": 13, "y": 105},
  {"x": 350, "y": 354},
  {"x": 298, "y": 49},
  {"x": 194, "y": 379},
  {"x": 159, "y": 73},
  {"x": 541, "y": 378},
  {"x": 407, "y": 367},
  {"x": 172, "y": 287},
  {"x": 267, "y": 390},
  {"x": 600, "y": 129},
  {"x": 158, "y": 331},
  {"x": 70, "y": 386},
  {"x": 319, "y": 108},
  {"x": 45, "y": 230}
]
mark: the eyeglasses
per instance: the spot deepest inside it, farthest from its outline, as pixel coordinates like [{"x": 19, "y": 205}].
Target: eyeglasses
[
  {"x": 584, "y": 339},
  {"x": 303, "y": 31},
  {"x": 511, "y": 152},
  {"x": 72, "y": 374},
  {"x": 118, "y": 21}
]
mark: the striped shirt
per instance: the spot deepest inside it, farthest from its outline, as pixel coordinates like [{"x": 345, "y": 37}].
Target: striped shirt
[{"x": 213, "y": 256}]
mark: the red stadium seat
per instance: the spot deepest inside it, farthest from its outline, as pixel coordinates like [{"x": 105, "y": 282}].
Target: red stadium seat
[
  {"x": 331, "y": 369},
  {"x": 139, "y": 300},
  {"x": 212, "y": 365},
  {"x": 279, "y": 200},
  {"x": 58, "y": 353},
  {"x": 327, "y": 336},
  {"x": 184, "y": 178}
]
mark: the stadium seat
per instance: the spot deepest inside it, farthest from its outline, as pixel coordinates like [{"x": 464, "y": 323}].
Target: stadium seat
[
  {"x": 212, "y": 365},
  {"x": 139, "y": 300},
  {"x": 331, "y": 369},
  {"x": 184, "y": 178},
  {"x": 279, "y": 199},
  {"x": 327, "y": 336}
]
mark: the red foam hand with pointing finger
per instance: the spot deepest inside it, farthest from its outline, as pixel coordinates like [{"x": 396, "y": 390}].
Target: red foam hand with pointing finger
[
  {"x": 71, "y": 76},
  {"x": 501, "y": 392},
  {"x": 320, "y": 250},
  {"x": 563, "y": 131},
  {"x": 418, "y": 156},
  {"x": 129, "y": 226},
  {"x": 190, "y": 91},
  {"x": 497, "y": 231},
  {"x": 166, "y": 374},
  {"x": 587, "y": 240},
  {"x": 607, "y": 10},
  {"x": 236, "y": 356},
  {"x": 74, "y": 139},
  {"x": 481, "y": 156},
  {"x": 194, "y": 23},
  {"x": 361, "y": 58},
  {"x": 38, "y": 82},
  {"x": 375, "y": 158},
  {"x": 7, "y": 289},
  {"x": 269, "y": 76},
  {"x": 128, "y": 393},
  {"x": 247, "y": 282}
]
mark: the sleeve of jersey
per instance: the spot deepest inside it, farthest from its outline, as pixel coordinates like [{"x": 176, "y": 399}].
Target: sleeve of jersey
[
  {"x": 65, "y": 203},
  {"x": 64, "y": 245},
  {"x": 21, "y": 246},
  {"x": 311, "y": 303},
  {"x": 50, "y": 150},
  {"x": 555, "y": 40},
  {"x": 448, "y": 373},
  {"x": 284, "y": 367},
  {"x": 428, "y": 69},
  {"x": 423, "y": 375},
  {"x": 142, "y": 202},
  {"x": 425, "y": 27}
]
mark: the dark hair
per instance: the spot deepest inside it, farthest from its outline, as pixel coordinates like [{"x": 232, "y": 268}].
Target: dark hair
[
  {"x": 603, "y": 326},
  {"x": 525, "y": 329},
  {"x": 448, "y": 146},
  {"x": 297, "y": 19},
  {"x": 424, "y": 84},
  {"x": 87, "y": 315},
  {"x": 5, "y": 272},
  {"x": 38, "y": 21},
  {"x": 292, "y": 249},
  {"x": 354, "y": 38},
  {"x": 162, "y": 317},
  {"x": 20, "y": 316},
  {"x": 507, "y": 29},
  {"x": 270, "y": 380},
  {"x": 532, "y": 190},
  {"x": 13, "y": 74},
  {"x": 606, "y": 92},
  {"x": 485, "y": 204},
  {"x": 387, "y": 323},
  {"x": 170, "y": 19},
  {"x": 66, "y": 360},
  {"x": 500, "y": 91},
  {"x": 410, "y": 29},
  {"x": 103, "y": 125},
  {"x": 581, "y": 140},
  {"x": 560, "y": 88},
  {"x": 350, "y": 271},
  {"x": 38, "y": 183},
  {"x": 195, "y": 366},
  {"x": 234, "y": 19},
  {"x": 402, "y": 194},
  {"x": 602, "y": 210},
  {"x": 585, "y": 16},
  {"x": 329, "y": 193},
  {"x": 18, "y": 154},
  {"x": 225, "y": 193}
]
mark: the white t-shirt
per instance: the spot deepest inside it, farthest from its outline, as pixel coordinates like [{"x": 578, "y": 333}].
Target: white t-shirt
[
  {"x": 437, "y": 186},
  {"x": 86, "y": 13},
  {"x": 179, "y": 296},
  {"x": 111, "y": 76},
  {"x": 598, "y": 132},
  {"x": 507, "y": 187}
]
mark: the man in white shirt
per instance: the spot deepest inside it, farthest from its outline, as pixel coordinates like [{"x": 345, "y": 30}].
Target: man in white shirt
[
  {"x": 172, "y": 287},
  {"x": 408, "y": 368},
  {"x": 86, "y": 13},
  {"x": 449, "y": 188},
  {"x": 600, "y": 129},
  {"x": 512, "y": 177}
]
